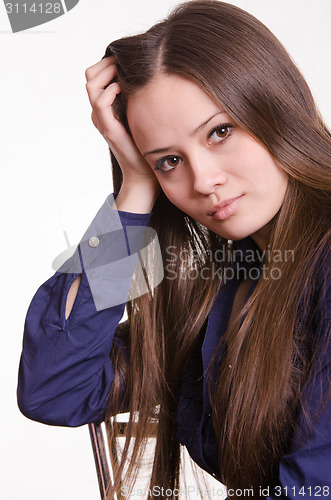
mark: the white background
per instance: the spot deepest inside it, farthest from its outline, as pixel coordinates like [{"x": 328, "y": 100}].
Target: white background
[{"x": 55, "y": 174}]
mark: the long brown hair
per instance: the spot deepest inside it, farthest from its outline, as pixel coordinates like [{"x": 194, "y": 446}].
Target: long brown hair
[{"x": 240, "y": 64}]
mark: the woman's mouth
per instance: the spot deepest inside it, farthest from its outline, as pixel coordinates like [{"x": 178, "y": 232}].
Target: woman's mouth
[{"x": 225, "y": 209}]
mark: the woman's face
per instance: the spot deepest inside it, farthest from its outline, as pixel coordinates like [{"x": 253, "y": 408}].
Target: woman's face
[{"x": 206, "y": 164}]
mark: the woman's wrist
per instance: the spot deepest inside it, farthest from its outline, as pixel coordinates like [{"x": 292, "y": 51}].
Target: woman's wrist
[{"x": 137, "y": 196}]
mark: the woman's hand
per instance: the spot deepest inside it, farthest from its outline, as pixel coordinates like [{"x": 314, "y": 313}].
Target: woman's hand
[{"x": 140, "y": 186}]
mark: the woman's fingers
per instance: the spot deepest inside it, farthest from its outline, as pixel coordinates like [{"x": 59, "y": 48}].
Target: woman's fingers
[
  {"x": 97, "y": 84},
  {"x": 108, "y": 124},
  {"x": 106, "y": 98},
  {"x": 91, "y": 71},
  {"x": 102, "y": 95}
]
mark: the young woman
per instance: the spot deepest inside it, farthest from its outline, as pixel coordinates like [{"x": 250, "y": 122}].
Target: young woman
[{"x": 217, "y": 145}]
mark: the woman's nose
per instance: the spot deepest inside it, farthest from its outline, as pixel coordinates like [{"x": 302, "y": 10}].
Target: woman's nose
[{"x": 207, "y": 174}]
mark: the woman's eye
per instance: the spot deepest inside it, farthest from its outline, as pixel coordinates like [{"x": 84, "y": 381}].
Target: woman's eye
[
  {"x": 168, "y": 163},
  {"x": 220, "y": 133}
]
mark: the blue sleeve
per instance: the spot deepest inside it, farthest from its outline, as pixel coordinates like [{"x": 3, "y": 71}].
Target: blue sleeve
[
  {"x": 65, "y": 372},
  {"x": 306, "y": 471}
]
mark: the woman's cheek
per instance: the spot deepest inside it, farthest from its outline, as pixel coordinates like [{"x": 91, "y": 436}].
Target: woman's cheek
[
  {"x": 178, "y": 193},
  {"x": 171, "y": 193}
]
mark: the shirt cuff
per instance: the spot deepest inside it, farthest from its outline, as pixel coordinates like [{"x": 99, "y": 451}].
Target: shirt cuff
[
  {"x": 128, "y": 218},
  {"x": 113, "y": 252}
]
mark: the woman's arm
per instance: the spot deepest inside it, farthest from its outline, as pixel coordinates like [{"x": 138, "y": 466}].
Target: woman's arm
[{"x": 65, "y": 371}]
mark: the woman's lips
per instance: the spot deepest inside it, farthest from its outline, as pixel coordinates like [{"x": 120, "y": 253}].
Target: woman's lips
[{"x": 226, "y": 208}]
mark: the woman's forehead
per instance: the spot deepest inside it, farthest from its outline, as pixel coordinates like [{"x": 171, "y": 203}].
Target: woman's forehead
[{"x": 170, "y": 101}]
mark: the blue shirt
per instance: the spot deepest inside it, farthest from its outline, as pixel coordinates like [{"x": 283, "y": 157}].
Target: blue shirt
[{"x": 65, "y": 371}]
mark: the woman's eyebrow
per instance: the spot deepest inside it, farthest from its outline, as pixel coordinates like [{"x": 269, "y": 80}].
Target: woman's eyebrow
[
  {"x": 163, "y": 150},
  {"x": 205, "y": 123}
]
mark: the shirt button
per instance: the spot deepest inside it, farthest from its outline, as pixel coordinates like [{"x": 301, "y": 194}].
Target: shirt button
[{"x": 93, "y": 241}]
